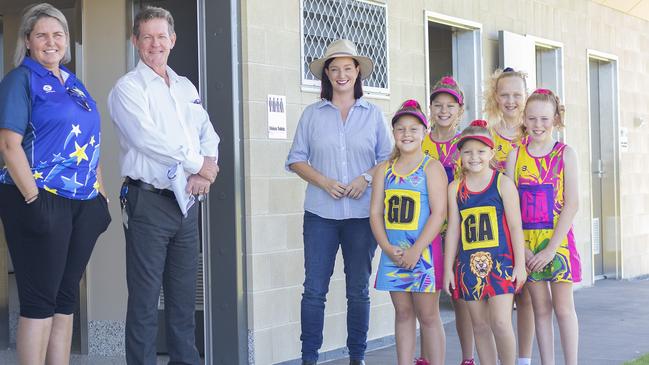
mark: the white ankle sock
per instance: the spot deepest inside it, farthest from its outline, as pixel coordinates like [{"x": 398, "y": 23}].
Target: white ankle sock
[{"x": 524, "y": 361}]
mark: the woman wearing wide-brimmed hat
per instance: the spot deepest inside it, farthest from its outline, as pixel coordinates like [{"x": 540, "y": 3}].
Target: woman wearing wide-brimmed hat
[{"x": 338, "y": 142}]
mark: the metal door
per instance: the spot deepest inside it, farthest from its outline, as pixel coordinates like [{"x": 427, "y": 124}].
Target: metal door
[
  {"x": 597, "y": 167},
  {"x": 184, "y": 59}
]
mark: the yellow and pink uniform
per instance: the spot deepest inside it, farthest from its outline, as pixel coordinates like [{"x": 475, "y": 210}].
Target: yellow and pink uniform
[
  {"x": 540, "y": 182},
  {"x": 502, "y": 147},
  {"x": 445, "y": 152}
]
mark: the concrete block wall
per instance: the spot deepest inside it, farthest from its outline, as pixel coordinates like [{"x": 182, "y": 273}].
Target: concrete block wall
[{"x": 272, "y": 65}]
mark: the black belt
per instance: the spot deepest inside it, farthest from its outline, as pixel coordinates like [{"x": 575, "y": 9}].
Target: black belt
[{"x": 150, "y": 188}]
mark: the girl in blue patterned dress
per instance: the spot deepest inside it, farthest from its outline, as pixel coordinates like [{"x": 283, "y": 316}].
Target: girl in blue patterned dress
[{"x": 406, "y": 221}]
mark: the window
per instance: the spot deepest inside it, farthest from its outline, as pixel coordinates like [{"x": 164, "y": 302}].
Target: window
[
  {"x": 364, "y": 23},
  {"x": 454, "y": 47}
]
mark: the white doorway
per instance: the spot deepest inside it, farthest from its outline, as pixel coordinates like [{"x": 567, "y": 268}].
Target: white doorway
[
  {"x": 603, "y": 101},
  {"x": 540, "y": 58},
  {"x": 454, "y": 47}
]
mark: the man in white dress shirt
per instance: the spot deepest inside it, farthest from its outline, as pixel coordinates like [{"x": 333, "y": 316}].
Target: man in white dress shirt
[{"x": 161, "y": 124}]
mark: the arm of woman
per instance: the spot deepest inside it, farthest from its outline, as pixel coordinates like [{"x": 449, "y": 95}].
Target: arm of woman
[
  {"x": 335, "y": 188},
  {"x": 382, "y": 150},
  {"x": 377, "y": 209},
  {"x": 17, "y": 164},
  {"x": 568, "y": 213},
  {"x": 298, "y": 159},
  {"x": 436, "y": 181},
  {"x": 512, "y": 206},
  {"x": 452, "y": 237}
]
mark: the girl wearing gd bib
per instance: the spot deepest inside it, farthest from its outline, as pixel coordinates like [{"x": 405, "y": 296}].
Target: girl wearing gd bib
[
  {"x": 484, "y": 221},
  {"x": 407, "y": 211}
]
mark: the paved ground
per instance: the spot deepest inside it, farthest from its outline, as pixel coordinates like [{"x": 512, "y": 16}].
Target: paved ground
[
  {"x": 614, "y": 327},
  {"x": 613, "y": 318}
]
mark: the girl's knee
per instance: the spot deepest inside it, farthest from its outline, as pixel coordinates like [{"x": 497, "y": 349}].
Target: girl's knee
[
  {"x": 404, "y": 313},
  {"x": 481, "y": 327},
  {"x": 565, "y": 312},
  {"x": 429, "y": 320},
  {"x": 501, "y": 327}
]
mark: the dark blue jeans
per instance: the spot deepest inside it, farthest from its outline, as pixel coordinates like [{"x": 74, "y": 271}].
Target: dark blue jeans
[{"x": 321, "y": 240}]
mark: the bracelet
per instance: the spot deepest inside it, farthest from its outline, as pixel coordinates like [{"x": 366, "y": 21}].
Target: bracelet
[{"x": 31, "y": 199}]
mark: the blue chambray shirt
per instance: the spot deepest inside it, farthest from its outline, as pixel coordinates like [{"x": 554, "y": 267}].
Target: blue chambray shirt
[{"x": 340, "y": 151}]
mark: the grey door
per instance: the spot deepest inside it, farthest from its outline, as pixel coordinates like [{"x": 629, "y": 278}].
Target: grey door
[
  {"x": 184, "y": 60},
  {"x": 597, "y": 167}
]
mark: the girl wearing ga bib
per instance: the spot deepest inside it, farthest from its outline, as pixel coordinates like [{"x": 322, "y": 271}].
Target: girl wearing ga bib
[{"x": 485, "y": 237}]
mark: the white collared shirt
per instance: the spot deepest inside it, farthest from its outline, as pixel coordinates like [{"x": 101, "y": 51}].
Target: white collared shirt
[{"x": 159, "y": 126}]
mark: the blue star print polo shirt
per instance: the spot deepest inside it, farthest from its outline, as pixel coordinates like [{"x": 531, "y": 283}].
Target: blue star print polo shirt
[{"x": 60, "y": 126}]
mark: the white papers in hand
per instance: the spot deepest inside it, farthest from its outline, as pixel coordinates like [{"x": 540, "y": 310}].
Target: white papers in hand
[{"x": 178, "y": 181}]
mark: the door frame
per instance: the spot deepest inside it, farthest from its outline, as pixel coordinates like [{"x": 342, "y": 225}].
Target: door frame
[
  {"x": 226, "y": 300},
  {"x": 612, "y": 264},
  {"x": 223, "y": 213},
  {"x": 557, "y": 48},
  {"x": 473, "y": 95}
]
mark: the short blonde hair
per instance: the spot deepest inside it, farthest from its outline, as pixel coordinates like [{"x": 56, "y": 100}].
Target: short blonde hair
[{"x": 31, "y": 15}]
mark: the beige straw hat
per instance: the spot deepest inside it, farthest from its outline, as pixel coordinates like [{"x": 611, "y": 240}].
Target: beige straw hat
[{"x": 342, "y": 48}]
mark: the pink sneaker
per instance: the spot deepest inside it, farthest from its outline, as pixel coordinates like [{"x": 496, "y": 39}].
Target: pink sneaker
[
  {"x": 468, "y": 362},
  {"x": 421, "y": 361}
]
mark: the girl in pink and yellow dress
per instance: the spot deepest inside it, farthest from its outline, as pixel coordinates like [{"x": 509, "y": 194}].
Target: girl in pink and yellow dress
[
  {"x": 446, "y": 110},
  {"x": 504, "y": 102},
  {"x": 545, "y": 171}
]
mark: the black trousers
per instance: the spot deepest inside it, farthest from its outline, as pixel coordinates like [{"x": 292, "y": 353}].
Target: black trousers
[
  {"x": 161, "y": 250},
  {"x": 50, "y": 242}
]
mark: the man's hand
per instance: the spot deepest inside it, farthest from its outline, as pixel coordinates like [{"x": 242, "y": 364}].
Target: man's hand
[
  {"x": 210, "y": 169},
  {"x": 198, "y": 185}
]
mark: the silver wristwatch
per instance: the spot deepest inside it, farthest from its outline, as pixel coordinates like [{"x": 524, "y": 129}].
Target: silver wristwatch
[{"x": 367, "y": 178}]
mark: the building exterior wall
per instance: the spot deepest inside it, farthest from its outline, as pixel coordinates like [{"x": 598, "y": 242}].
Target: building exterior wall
[
  {"x": 105, "y": 38},
  {"x": 272, "y": 65},
  {"x": 271, "y": 39}
]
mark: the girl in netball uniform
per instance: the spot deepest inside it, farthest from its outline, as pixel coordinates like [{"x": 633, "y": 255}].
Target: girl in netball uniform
[
  {"x": 446, "y": 109},
  {"x": 407, "y": 211},
  {"x": 545, "y": 171},
  {"x": 485, "y": 237},
  {"x": 504, "y": 101}
]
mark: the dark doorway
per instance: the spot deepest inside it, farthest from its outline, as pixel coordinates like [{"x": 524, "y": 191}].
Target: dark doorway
[{"x": 184, "y": 60}]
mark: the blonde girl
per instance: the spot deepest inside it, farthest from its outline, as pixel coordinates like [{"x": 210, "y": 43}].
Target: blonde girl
[
  {"x": 485, "y": 237},
  {"x": 504, "y": 102},
  {"x": 545, "y": 171},
  {"x": 407, "y": 210}
]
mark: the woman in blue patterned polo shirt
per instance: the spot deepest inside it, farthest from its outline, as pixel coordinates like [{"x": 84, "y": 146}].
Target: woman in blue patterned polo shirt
[{"x": 53, "y": 206}]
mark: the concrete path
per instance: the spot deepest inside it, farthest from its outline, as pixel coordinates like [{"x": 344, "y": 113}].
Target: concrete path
[{"x": 613, "y": 319}]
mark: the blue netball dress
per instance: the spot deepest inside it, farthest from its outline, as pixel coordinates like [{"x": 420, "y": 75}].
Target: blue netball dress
[
  {"x": 485, "y": 256},
  {"x": 406, "y": 213}
]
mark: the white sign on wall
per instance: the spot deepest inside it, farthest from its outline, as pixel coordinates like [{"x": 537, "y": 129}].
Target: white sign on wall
[
  {"x": 276, "y": 106},
  {"x": 624, "y": 139}
]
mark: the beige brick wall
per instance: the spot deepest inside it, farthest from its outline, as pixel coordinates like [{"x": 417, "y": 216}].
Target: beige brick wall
[{"x": 271, "y": 64}]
